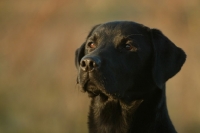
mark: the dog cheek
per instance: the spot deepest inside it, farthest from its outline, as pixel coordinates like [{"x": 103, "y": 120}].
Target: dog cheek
[{"x": 120, "y": 84}]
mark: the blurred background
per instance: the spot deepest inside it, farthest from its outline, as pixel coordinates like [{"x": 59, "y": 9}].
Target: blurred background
[{"x": 38, "y": 38}]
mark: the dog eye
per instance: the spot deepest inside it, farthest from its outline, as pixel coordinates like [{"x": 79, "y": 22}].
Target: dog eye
[
  {"x": 91, "y": 45},
  {"x": 130, "y": 47}
]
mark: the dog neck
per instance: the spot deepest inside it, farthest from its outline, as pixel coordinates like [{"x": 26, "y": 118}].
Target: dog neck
[{"x": 113, "y": 116}]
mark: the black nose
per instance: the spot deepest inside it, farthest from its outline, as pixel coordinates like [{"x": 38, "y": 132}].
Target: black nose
[{"x": 90, "y": 63}]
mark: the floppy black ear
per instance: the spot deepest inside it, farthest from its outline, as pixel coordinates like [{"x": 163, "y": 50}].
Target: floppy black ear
[
  {"x": 168, "y": 58},
  {"x": 80, "y": 52}
]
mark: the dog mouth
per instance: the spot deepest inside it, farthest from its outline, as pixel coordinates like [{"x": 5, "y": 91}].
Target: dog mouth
[{"x": 95, "y": 90}]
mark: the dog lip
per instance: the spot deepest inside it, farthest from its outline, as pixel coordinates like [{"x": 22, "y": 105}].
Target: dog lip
[
  {"x": 84, "y": 85},
  {"x": 93, "y": 91},
  {"x": 91, "y": 87},
  {"x": 92, "y": 94}
]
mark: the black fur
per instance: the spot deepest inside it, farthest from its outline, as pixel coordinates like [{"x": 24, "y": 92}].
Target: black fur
[{"x": 123, "y": 66}]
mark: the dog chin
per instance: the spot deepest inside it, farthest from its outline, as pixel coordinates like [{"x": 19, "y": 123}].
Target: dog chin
[{"x": 94, "y": 90}]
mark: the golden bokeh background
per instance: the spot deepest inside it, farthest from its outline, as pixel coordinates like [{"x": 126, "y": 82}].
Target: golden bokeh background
[{"x": 38, "y": 39}]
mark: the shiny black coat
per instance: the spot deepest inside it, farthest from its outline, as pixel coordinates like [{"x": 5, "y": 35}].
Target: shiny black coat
[{"x": 123, "y": 66}]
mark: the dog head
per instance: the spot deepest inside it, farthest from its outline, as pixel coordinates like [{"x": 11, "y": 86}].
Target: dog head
[{"x": 126, "y": 60}]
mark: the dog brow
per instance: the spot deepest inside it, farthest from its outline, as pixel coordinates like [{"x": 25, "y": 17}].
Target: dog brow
[
  {"x": 93, "y": 37},
  {"x": 134, "y": 35}
]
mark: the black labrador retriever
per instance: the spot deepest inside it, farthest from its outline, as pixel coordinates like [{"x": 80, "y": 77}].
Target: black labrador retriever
[{"x": 123, "y": 66}]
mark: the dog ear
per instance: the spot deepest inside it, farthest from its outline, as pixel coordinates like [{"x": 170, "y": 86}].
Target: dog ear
[
  {"x": 80, "y": 52},
  {"x": 168, "y": 58}
]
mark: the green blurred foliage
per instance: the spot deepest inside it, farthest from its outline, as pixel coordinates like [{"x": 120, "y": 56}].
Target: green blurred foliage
[{"x": 38, "y": 91}]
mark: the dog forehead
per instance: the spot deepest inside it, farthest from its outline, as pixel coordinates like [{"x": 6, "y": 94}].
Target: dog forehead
[{"x": 119, "y": 28}]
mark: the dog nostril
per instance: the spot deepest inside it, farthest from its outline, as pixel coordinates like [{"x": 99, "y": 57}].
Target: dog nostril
[
  {"x": 89, "y": 63},
  {"x": 83, "y": 64},
  {"x": 92, "y": 64}
]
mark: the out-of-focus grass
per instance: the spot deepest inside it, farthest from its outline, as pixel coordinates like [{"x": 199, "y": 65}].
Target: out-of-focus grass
[{"x": 38, "y": 91}]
